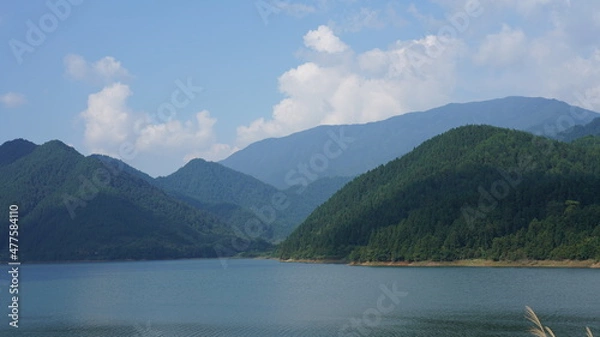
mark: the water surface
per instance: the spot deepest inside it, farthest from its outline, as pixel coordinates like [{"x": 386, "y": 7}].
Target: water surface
[{"x": 267, "y": 298}]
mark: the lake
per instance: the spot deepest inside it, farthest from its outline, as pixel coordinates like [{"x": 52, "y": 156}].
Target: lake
[{"x": 267, "y": 298}]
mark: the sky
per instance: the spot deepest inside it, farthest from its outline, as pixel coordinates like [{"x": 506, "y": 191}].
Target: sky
[{"x": 158, "y": 83}]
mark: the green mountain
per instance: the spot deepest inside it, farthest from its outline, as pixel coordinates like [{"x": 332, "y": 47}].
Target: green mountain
[
  {"x": 239, "y": 199},
  {"x": 472, "y": 192},
  {"x": 73, "y": 207},
  {"x": 579, "y": 131},
  {"x": 15, "y": 149},
  {"x": 214, "y": 183},
  {"x": 118, "y": 165},
  {"x": 350, "y": 150}
]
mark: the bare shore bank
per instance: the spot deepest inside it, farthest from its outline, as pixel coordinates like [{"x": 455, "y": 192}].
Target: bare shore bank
[{"x": 464, "y": 263}]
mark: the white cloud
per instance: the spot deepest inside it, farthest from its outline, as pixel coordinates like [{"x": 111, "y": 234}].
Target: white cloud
[
  {"x": 159, "y": 148},
  {"x": 558, "y": 59},
  {"x": 108, "y": 68},
  {"x": 107, "y": 119},
  {"x": 323, "y": 40},
  {"x": 175, "y": 134},
  {"x": 332, "y": 84},
  {"x": 374, "y": 61},
  {"x": 104, "y": 71},
  {"x": 370, "y": 86},
  {"x": 503, "y": 48},
  {"x": 12, "y": 99},
  {"x": 557, "y": 55},
  {"x": 75, "y": 66}
]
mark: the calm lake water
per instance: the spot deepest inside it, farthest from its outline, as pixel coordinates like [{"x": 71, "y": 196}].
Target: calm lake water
[{"x": 266, "y": 298}]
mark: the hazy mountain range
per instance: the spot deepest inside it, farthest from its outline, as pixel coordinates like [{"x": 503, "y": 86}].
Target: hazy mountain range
[
  {"x": 74, "y": 207},
  {"x": 350, "y": 150}
]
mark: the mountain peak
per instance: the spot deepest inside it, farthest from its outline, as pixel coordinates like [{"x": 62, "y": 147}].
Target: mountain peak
[
  {"x": 55, "y": 143},
  {"x": 18, "y": 142},
  {"x": 199, "y": 161},
  {"x": 12, "y": 150},
  {"x": 54, "y": 148}
]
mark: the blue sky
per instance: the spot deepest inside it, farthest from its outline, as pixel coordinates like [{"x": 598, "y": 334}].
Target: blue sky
[{"x": 158, "y": 83}]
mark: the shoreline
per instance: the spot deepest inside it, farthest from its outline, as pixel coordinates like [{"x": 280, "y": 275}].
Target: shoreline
[
  {"x": 132, "y": 260},
  {"x": 592, "y": 264}
]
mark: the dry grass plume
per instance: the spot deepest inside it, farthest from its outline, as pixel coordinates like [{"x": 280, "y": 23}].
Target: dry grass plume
[{"x": 539, "y": 330}]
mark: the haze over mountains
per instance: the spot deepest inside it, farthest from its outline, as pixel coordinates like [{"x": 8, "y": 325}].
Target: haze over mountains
[
  {"x": 74, "y": 207},
  {"x": 350, "y": 150}
]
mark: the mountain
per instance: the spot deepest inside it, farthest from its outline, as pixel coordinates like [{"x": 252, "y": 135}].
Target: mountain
[
  {"x": 315, "y": 194},
  {"x": 72, "y": 207},
  {"x": 239, "y": 199},
  {"x": 579, "y": 131},
  {"x": 118, "y": 165},
  {"x": 472, "y": 192},
  {"x": 349, "y": 150},
  {"x": 211, "y": 182},
  {"x": 15, "y": 149}
]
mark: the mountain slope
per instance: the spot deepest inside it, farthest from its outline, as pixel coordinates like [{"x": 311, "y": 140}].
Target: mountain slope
[
  {"x": 214, "y": 183},
  {"x": 73, "y": 207},
  {"x": 117, "y": 165},
  {"x": 472, "y": 192},
  {"x": 349, "y": 150},
  {"x": 234, "y": 197},
  {"x": 237, "y": 198},
  {"x": 579, "y": 131}
]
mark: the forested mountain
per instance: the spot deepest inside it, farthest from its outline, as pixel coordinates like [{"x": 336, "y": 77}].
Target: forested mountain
[
  {"x": 118, "y": 165},
  {"x": 578, "y": 131},
  {"x": 212, "y": 182},
  {"x": 427, "y": 205},
  {"x": 350, "y": 150},
  {"x": 237, "y": 198},
  {"x": 15, "y": 149},
  {"x": 73, "y": 207},
  {"x": 472, "y": 192}
]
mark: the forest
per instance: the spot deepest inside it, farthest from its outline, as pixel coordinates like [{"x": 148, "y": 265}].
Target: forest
[{"x": 473, "y": 192}]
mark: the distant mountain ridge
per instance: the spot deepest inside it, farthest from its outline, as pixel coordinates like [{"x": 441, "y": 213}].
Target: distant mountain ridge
[
  {"x": 579, "y": 131},
  {"x": 350, "y": 150}
]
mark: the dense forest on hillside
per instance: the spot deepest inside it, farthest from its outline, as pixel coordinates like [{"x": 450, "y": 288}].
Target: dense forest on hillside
[
  {"x": 237, "y": 198},
  {"x": 472, "y": 192},
  {"x": 73, "y": 207}
]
